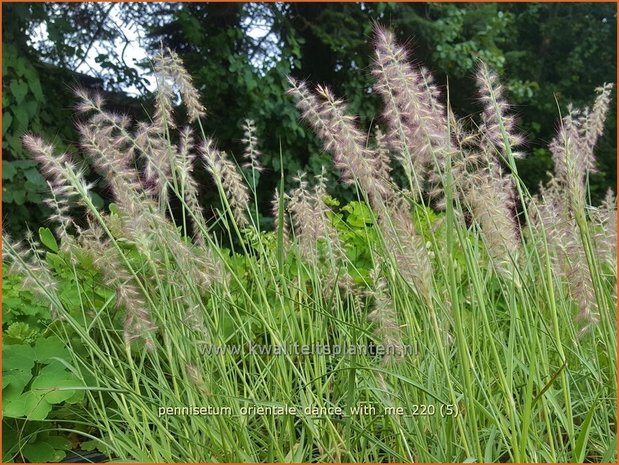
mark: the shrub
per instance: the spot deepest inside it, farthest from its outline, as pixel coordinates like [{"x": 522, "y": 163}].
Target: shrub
[{"x": 486, "y": 312}]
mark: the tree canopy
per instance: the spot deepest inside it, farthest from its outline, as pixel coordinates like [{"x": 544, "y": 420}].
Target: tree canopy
[{"x": 241, "y": 54}]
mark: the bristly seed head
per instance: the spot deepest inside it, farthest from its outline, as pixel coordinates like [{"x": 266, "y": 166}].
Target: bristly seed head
[
  {"x": 225, "y": 171},
  {"x": 497, "y": 125},
  {"x": 416, "y": 120},
  {"x": 341, "y": 136},
  {"x": 168, "y": 65},
  {"x": 252, "y": 154}
]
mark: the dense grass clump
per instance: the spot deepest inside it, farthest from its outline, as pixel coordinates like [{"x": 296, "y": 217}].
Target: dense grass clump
[{"x": 482, "y": 317}]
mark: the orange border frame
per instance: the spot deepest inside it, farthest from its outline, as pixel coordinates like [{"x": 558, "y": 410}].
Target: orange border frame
[{"x": 316, "y": 1}]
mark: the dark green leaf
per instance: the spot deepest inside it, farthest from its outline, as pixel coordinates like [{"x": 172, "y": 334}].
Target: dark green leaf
[
  {"x": 21, "y": 116},
  {"x": 6, "y": 121},
  {"x": 39, "y": 452},
  {"x": 8, "y": 170},
  {"x": 35, "y": 87},
  {"x": 19, "y": 89}
]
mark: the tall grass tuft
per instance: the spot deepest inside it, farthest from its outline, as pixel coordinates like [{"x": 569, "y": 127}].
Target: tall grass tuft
[{"x": 487, "y": 314}]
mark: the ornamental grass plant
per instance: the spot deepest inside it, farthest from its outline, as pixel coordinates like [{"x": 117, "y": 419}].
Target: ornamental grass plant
[{"x": 482, "y": 317}]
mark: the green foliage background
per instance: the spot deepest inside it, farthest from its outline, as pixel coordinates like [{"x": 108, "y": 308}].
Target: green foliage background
[{"x": 547, "y": 54}]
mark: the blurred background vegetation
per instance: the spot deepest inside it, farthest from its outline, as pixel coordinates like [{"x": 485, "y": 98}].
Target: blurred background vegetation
[{"x": 547, "y": 55}]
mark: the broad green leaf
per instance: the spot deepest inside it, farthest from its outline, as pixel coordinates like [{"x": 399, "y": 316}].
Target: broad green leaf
[
  {"x": 21, "y": 117},
  {"x": 76, "y": 398},
  {"x": 36, "y": 407},
  {"x": 96, "y": 199},
  {"x": 32, "y": 194},
  {"x": 19, "y": 66},
  {"x": 50, "y": 347},
  {"x": 14, "y": 143},
  {"x": 24, "y": 164},
  {"x": 15, "y": 379},
  {"x": 48, "y": 239},
  {"x": 71, "y": 296},
  {"x": 13, "y": 407},
  {"x": 33, "y": 176},
  {"x": 359, "y": 214},
  {"x": 19, "y": 197},
  {"x": 8, "y": 170},
  {"x": 37, "y": 91},
  {"x": 53, "y": 382},
  {"x": 17, "y": 357},
  {"x": 10, "y": 301},
  {"x": 58, "y": 442},
  {"x": 32, "y": 108},
  {"x": 7, "y": 119},
  {"x": 39, "y": 452},
  {"x": 19, "y": 89},
  {"x": 55, "y": 261},
  {"x": 92, "y": 445}
]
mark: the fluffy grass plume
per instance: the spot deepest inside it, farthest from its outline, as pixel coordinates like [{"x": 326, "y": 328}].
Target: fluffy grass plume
[{"x": 498, "y": 306}]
